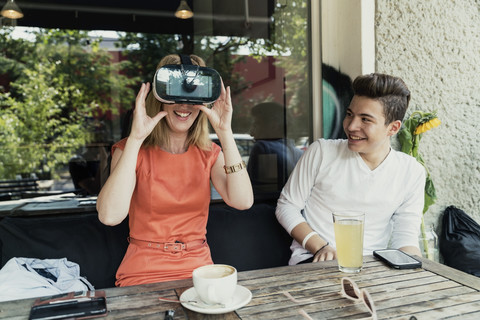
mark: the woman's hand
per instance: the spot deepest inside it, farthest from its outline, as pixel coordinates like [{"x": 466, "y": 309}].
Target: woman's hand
[
  {"x": 143, "y": 124},
  {"x": 220, "y": 115}
]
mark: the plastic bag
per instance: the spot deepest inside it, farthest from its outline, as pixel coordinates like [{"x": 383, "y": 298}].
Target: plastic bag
[{"x": 460, "y": 241}]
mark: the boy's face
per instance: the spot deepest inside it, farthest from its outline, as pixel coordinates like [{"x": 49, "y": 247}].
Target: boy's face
[{"x": 364, "y": 125}]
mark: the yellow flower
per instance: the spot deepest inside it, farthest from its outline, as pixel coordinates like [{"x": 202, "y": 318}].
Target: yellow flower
[{"x": 424, "y": 127}]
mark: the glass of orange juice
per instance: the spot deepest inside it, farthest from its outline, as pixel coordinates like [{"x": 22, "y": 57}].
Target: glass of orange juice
[{"x": 348, "y": 226}]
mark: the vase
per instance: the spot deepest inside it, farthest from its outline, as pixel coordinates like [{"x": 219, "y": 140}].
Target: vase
[{"x": 429, "y": 244}]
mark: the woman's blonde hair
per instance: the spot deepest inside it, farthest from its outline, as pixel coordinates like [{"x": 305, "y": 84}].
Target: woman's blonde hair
[{"x": 198, "y": 132}]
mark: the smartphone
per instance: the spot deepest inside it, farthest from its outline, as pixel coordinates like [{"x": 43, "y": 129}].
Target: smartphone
[
  {"x": 397, "y": 259},
  {"x": 87, "y": 306}
]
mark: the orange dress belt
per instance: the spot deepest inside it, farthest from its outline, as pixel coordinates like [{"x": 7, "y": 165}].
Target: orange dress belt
[{"x": 176, "y": 246}]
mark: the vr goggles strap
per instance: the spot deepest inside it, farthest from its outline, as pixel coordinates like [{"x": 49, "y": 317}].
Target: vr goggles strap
[
  {"x": 185, "y": 59},
  {"x": 188, "y": 83}
]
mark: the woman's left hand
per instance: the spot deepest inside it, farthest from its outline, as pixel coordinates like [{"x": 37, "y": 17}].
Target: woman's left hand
[{"x": 220, "y": 115}]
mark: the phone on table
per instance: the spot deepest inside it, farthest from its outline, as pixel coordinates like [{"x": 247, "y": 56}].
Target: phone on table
[
  {"x": 74, "y": 305},
  {"x": 397, "y": 259}
]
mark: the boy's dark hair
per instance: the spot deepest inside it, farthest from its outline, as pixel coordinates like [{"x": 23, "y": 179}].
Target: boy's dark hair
[{"x": 391, "y": 91}]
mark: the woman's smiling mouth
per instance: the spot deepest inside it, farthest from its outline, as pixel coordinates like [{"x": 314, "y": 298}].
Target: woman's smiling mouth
[{"x": 182, "y": 114}]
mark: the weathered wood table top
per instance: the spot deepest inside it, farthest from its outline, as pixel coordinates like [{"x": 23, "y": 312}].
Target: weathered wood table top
[{"x": 309, "y": 291}]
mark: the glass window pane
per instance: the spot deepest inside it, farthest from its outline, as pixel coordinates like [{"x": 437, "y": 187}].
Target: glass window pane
[
  {"x": 66, "y": 95},
  {"x": 271, "y": 96}
]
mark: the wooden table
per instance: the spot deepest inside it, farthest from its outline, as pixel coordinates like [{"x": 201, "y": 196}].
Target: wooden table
[{"x": 433, "y": 292}]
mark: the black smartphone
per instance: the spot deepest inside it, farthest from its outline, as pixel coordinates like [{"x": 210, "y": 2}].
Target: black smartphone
[
  {"x": 70, "y": 307},
  {"x": 397, "y": 259}
]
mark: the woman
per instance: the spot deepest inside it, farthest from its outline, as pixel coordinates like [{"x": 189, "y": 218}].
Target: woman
[{"x": 160, "y": 177}]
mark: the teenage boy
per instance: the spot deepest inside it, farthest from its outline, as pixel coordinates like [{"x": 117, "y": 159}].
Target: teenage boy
[{"x": 360, "y": 173}]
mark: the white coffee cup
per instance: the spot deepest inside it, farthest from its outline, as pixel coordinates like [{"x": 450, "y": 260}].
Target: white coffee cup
[{"x": 215, "y": 283}]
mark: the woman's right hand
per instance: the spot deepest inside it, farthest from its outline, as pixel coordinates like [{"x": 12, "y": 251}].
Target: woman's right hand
[{"x": 142, "y": 123}]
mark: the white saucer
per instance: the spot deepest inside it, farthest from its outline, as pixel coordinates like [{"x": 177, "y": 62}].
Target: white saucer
[{"x": 241, "y": 297}]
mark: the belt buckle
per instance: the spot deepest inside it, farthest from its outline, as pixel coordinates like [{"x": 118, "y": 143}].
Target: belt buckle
[{"x": 173, "y": 246}]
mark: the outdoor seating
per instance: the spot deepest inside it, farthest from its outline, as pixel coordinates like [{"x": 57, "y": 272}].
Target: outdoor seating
[
  {"x": 15, "y": 188},
  {"x": 250, "y": 239},
  {"x": 79, "y": 237}
]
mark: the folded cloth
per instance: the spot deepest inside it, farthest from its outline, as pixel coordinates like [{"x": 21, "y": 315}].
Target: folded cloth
[{"x": 22, "y": 278}]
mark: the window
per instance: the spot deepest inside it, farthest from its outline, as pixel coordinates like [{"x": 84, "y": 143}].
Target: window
[{"x": 69, "y": 75}]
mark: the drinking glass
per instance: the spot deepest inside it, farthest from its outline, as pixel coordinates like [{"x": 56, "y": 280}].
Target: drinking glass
[{"x": 348, "y": 226}]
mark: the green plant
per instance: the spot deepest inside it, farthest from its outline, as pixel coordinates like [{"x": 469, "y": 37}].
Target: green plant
[
  {"x": 60, "y": 92},
  {"x": 409, "y": 137}
]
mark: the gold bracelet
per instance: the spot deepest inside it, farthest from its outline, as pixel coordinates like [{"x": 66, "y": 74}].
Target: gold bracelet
[{"x": 236, "y": 167}]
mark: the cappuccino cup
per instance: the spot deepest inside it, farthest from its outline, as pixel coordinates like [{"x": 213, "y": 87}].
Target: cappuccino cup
[{"x": 215, "y": 283}]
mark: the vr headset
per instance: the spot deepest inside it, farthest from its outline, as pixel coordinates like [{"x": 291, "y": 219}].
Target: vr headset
[{"x": 186, "y": 83}]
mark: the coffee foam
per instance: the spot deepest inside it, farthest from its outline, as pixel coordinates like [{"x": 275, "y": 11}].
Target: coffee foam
[{"x": 214, "y": 272}]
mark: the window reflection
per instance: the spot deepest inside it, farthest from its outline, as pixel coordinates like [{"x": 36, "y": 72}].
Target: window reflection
[
  {"x": 66, "y": 95},
  {"x": 273, "y": 155},
  {"x": 337, "y": 94}
]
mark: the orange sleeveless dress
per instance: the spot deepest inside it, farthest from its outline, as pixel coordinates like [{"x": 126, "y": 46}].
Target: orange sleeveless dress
[{"x": 169, "y": 204}]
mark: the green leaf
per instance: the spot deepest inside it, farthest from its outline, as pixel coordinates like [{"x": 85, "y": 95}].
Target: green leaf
[
  {"x": 405, "y": 139},
  {"x": 430, "y": 194}
]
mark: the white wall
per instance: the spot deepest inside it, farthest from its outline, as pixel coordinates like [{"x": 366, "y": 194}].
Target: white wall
[
  {"x": 434, "y": 46},
  {"x": 348, "y": 35}
]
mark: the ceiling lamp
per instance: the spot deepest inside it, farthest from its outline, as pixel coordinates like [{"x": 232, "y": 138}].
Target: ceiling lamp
[
  {"x": 11, "y": 10},
  {"x": 183, "y": 11}
]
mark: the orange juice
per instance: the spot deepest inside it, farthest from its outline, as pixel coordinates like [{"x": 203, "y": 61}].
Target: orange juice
[{"x": 349, "y": 242}]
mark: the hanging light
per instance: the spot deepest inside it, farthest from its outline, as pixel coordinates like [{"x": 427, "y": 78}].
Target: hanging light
[
  {"x": 183, "y": 11},
  {"x": 11, "y": 10}
]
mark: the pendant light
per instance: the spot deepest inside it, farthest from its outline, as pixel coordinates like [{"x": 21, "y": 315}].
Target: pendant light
[
  {"x": 183, "y": 11},
  {"x": 11, "y": 10}
]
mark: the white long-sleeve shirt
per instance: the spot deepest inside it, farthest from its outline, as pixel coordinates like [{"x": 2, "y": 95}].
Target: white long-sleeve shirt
[{"x": 330, "y": 177}]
